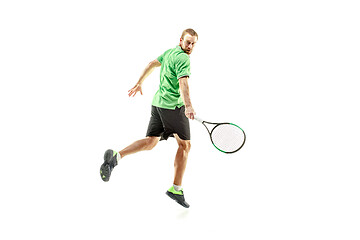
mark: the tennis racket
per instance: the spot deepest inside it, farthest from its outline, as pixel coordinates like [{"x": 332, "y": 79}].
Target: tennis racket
[{"x": 226, "y": 137}]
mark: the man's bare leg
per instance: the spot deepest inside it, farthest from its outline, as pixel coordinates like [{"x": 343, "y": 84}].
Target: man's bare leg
[
  {"x": 111, "y": 157},
  {"x": 175, "y": 191},
  {"x": 181, "y": 159},
  {"x": 147, "y": 143}
]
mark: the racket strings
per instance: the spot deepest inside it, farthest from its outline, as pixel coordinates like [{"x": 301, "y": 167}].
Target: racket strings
[{"x": 228, "y": 137}]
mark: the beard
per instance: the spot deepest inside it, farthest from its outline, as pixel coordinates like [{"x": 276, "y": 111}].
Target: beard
[{"x": 187, "y": 51}]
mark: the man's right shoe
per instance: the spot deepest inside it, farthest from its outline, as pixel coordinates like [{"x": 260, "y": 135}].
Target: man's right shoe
[
  {"x": 110, "y": 161},
  {"x": 178, "y": 196}
]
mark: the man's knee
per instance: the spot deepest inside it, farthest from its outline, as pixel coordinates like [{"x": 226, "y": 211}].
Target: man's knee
[
  {"x": 151, "y": 142},
  {"x": 185, "y": 145}
]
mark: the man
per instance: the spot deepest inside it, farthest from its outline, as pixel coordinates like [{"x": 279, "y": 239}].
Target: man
[{"x": 170, "y": 114}]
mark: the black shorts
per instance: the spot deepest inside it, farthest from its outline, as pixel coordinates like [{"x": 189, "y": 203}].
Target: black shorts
[{"x": 165, "y": 122}]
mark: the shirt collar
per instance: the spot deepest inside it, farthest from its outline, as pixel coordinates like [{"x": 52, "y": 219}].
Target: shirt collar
[{"x": 178, "y": 47}]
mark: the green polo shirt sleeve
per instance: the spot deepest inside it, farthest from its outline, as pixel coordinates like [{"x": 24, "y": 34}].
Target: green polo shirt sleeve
[
  {"x": 162, "y": 56},
  {"x": 182, "y": 66}
]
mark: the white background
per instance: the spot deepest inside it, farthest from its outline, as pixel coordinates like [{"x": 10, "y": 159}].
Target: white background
[{"x": 285, "y": 71}]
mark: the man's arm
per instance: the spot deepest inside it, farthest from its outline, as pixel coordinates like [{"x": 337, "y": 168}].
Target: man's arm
[
  {"x": 149, "y": 68},
  {"x": 185, "y": 95}
]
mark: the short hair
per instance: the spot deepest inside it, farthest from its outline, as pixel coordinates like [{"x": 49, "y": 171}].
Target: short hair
[{"x": 189, "y": 31}]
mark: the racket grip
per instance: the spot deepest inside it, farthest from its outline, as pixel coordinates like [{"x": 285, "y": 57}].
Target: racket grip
[{"x": 198, "y": 119}]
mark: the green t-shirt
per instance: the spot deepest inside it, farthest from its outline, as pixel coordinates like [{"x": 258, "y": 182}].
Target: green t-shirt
[{"x": 175, "y": 63}]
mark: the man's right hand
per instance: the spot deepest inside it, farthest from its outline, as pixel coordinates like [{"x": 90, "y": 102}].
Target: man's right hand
[
  {"x": 190, "y": 113},
  {"x": 132, "y": 92}
]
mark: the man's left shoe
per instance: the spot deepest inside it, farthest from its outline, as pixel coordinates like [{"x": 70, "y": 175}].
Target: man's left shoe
[
  {"x": 110, "y": 161},
  {"x": 178, "y": 196}
]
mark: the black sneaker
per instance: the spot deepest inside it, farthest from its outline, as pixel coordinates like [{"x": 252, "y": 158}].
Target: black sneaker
[
  {"x": 178, "y": 196},
  {"x": 110, "y": 161}
]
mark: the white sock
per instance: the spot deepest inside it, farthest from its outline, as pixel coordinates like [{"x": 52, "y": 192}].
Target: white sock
[
  {"x": 177, "y": 188},
  {"x": 118, "y": 156}
]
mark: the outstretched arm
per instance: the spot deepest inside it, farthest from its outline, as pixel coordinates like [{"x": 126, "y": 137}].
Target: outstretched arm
[
  {"x": 149, "y": 68},
  {"x": 185, "y": 94}
]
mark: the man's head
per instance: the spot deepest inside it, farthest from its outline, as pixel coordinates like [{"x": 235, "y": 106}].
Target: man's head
[{"x": 188, "y": 39}]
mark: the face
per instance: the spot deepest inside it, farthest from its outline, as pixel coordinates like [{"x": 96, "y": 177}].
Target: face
[{"x": 187, "y": 44}]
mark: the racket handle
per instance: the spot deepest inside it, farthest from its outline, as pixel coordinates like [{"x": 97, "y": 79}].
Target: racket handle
[{"x": 198, "y": 119}]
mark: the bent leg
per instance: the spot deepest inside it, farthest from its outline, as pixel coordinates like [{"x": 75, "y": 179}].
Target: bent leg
[
  {"x": 147, "y": 143},
  {"x": 181, "y": 159}
]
